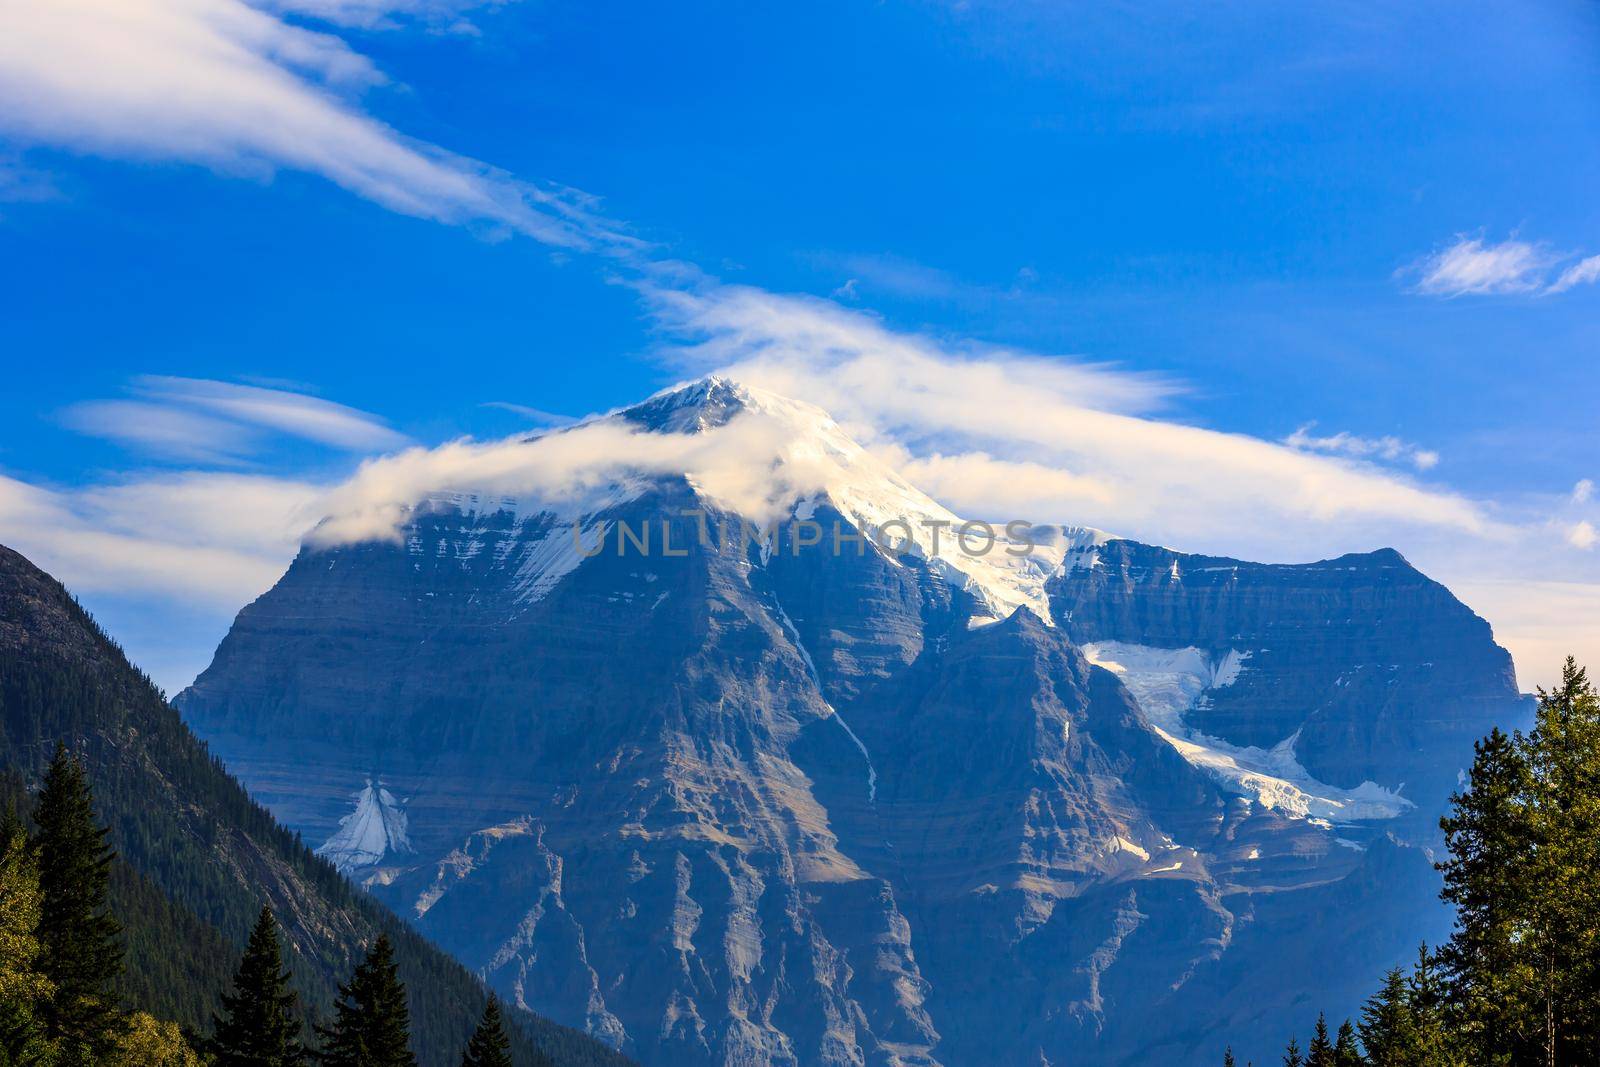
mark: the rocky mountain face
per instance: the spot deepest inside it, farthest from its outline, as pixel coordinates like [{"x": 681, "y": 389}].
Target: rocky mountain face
[{"x": 827, "y": 800}]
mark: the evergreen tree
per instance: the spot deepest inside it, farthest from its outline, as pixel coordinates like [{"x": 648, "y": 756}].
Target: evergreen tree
[
  {"x": 1227, "y": 1057},
  {"x": 24, "y": 989},
  {"x": 1320, "y": 1052},
  {"x": 1346, "y": 1053},
  {"x": 1387, "y": 1028},
  {"x": 1490, "y": 836},
  {"x": 1433, "y": 1040},
  {"x": 82, "y": 951},
  {"x": 1291, "y": 1055},
  {"x": 371, "y": 1025},
  {"x": 258, "y": 1027},
  {"x": 1562, "y": 935},
  {"x": 489, "y": 1045}
]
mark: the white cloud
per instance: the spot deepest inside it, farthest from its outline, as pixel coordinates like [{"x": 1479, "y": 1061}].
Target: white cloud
[
  {"x": 1580, "y": 273},
  {"x": 1582, "y": 535},
  {"x": 229, "y": 86},
  {"x": 1472, "y": 266},
  {"x": 965, "y": 411},
  {"x": 210, "y": 422},
  {"x": 976, "y": 483},
  {"x": 218, "y": 539},
  {"x": 296, "y": 414},
  {"x": 159, "y": 430},
  {"x": 1583, "y": 491},
  {"x": 749, "y": 464},
  {"x": 1388, "y": 448}
]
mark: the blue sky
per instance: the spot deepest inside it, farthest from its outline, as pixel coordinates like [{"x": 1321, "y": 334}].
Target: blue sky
[{"x": 1366, "y": 225}]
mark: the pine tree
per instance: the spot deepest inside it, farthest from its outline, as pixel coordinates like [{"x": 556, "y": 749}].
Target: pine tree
[
  {"x": 1562, "y": 937},
  {"x": 82, "y": 952},
  {"x": 1291, "y": 1054},
  {"x": 371, "y": 1026},
  {"x": 1490, "y": 836},
  {"x": 259, "y": 1027},
  {"x": 24, "y": 989},
  {"x": 1345, "y": 1051},
  {"x": 1434, "y": 1043},
  {"x": 1227, "y": 1057},
  {"x": 489, "y": 1045},
  {"x": 1387, "y": 1028},
  {"x": 1320, "y": 1053}
]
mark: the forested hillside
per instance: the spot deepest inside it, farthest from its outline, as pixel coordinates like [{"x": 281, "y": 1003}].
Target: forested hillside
[{"x": 197, "y": 858}]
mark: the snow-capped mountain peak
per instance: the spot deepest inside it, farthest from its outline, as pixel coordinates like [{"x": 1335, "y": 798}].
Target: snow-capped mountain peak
[{"x": 763, "y": 457}]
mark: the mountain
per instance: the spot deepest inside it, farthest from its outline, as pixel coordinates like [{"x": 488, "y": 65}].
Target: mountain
[
  {"x": 198, "y": 857},
  {"x": 853, "y": 793}
]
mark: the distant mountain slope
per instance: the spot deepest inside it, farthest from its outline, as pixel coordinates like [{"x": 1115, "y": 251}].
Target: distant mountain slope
[{"x": 199, "y": 856}]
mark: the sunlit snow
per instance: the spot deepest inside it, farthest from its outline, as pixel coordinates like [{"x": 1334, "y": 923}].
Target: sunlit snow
[{"x": 1168, "y": 682}]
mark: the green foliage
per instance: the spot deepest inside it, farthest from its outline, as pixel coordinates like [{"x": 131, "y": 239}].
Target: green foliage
[
  {"x": 371, "y": 1025},
  {"x": 1291, "y": 1054},
  {"x": 1522, "y": 969},
  {"x": 1346, "y": 1052},
  {"x": 489, "y": 1046},
  {"x": 24, "y": 988},
  {"x": 150, "y": 1042},
  {"x": 81, "y": 950},
  {"x": 1388, "y": 1029},
  {"x": 258, "y": 1026},
  {"x": 1320, "y": 1054}
]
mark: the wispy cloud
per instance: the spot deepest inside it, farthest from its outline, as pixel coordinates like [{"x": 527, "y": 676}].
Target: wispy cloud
[
  {"x": 980, "y": 411},
  {"x": 217, "y": 539},
  {"x": 1583, "y": 272},
  {"x": 538, "y": 415},
  {"x": 209, "y": 422},
  {"x": 230, "y": 86},
  {"x": 449, "y": 15},
  {"x": 161, "y": 431},
  {"x": 1472, "y": 266},
  {"x": 296, "y": 414},
  {"x": 1388, "y": 448}
]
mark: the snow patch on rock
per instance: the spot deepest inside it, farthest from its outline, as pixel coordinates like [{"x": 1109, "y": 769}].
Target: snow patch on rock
[
  {"x": 377, "y": 828},
  {"x": 1168, "y": 682}
]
